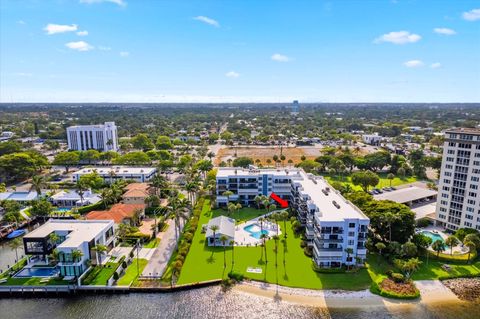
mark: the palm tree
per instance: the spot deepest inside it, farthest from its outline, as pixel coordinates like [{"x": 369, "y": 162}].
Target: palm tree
[
  {"x": 228, "y": 194},
  {"x": 390, "y": 176},
  {"x": 100, "y": 250},
  {"x": 284, "y": 218},
  {"x": 54, "y": 238},
  {"x": 451, "y": 242},
  {"x": 380, "y": 246},
  {"x": 349, "y": 251},
  {"x": 176, "y": 210},
  {"x": 438, "y": 246},
  {"x": 224, "y": 239},
  {"x": 54, "y": 256},
  {"x": 112, "y": 175},
  {"x": 233, "y": 252},
  {"x": 76, "y": 255},
  {"x": 390, "y": 218},
  {"x": 471, "y": 247},
  {"x": 106, "y": 196},
  {"x": 38, "y": 182},
  {"x": 258, "y": 199},
  {"x": 276, "y": 238},
  {"x": 14, "y": 245},
  {"x": 81, "y": 188},
  {"x": 264, "y": 241},
  {"x": 214, "y": 229}
]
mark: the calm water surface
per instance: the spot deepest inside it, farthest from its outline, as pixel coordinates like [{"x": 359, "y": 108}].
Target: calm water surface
[{"x": 207, "y": 303}]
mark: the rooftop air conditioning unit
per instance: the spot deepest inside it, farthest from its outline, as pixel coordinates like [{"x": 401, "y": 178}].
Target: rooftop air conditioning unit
[{"x": 336, "y": 204}]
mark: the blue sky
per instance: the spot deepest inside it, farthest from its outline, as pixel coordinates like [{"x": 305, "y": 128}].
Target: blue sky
[{"x": 239, "y": 51}]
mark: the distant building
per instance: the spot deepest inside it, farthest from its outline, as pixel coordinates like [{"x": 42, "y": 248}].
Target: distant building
[
  {"x": 21, "y": 197},
  {"x": 136, "y": 193},
  {"x": 409, "y": 195},
  {"x": 295, "y": 107},
  {"x": 6, "y": 135},
  {"x": 113, "y": 173},
  {"x": 102, "y": 137},
  {"x": 372, "y": 139},
  {"x": 458, "y": 203}
]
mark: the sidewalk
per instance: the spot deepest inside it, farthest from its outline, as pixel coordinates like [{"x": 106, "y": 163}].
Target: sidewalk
[{"x": 159, "y": 260}]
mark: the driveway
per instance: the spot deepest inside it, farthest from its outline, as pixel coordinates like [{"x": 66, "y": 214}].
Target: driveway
[{"x": 160, "y": 257}]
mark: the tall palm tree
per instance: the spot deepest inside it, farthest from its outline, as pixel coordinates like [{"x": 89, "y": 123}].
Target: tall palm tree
[
  {"x": 471, "y": 247},
  {"x": 100, "y": 251},
  {"x": 54, "y": 238},
  {"x": 264, "y": 241},
  {"x": 276, "y": 238},
  {"x": 438, "y": 246},
  {"x": 349, "y": 251},
  {"x": 38, "y": 182},
  {"x": 176, "y": 210},
  {"x": 284, "y": 217},
  {"x": 224, "y": 239},
  {"x": 233, "y": 252},
  {"x": 81, "y": 188},
  {"x": 451, "y": 242},
  {"x": 76, "y": 255},
  {"x": 14, "y": 245},
  {"x": 214, "y": 229},
  {"x": 106, "y": 196},
  {"x": 390, "y": 218}
]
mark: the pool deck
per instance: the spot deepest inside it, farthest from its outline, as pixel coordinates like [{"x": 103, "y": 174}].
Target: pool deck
[
  {"x": 459, "y": 249},
  {"x": 244, "y": 238}
]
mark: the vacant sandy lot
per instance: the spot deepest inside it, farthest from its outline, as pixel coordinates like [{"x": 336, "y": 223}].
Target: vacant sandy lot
[{"x": 263, "y": 153}]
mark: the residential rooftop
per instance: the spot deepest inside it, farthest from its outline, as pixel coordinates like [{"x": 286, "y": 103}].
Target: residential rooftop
[
  {"x": 226, "y": 226},
  {"x": 118, "y": 170},
  {"x": 405, "y": 195},
  {"x": 464, "y": 130},
  {"x": 80, "y": 231}
]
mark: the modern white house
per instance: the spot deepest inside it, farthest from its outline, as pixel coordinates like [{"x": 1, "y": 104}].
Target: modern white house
[
  {"x": 112, "y": 173},
  {"x": 458, "y": 200},
  {"x": 226, "y": 227},
  {"x": 335, "y": 228},
  {"x": 73, "y": 236},
  {"x": 71, "y": 198},
  {"x": 19, "y": 196},
  {"x": 372, "y": 139},
  {"x": 102, "y": 137}
]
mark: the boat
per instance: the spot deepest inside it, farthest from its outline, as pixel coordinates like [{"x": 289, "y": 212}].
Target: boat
[{"x": 16, "y": 233}]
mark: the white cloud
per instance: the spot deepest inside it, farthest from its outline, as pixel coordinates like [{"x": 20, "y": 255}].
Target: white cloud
[
  {"x": 21, "y": 22},
  {"x": 413, "y": 64},
  {"x": 79, "y": 46},
  {"x": 124, "y": 54},
  {"x": 24, "y": 74},
  {"x": 444, "y": 31},
  {"x": 104, "y": 48},
  {"x": 207, "y": 20},
  {"x": 436, "y": 65},
  {"x": 232, "y": 74},
  {"x": 121, "y": 3},
  {"x": 398, "y": 37},
  {"x": 82, "y": 33},
  {"x": 52, "y": 28},
  {"x": 472, "y": 15},
  {"x": 280, "y": 57}
]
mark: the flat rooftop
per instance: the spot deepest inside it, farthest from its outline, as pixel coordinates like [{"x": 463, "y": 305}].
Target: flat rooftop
[
  {"x": 118, "y": 170},
  {"x": 464, "y": 130},
  {"x": 80, "y": 231},
  {"x": 312, "y": 185},
  {"x": 406, "y": 195}
]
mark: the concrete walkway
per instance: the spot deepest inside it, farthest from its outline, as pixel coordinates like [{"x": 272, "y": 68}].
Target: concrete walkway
[{"x": 159, "y": 260}]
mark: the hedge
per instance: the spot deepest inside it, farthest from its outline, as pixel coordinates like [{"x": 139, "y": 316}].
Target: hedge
[
  {"x": 375, "y": 289},
  {"x": 86, "y": 209},
  {"x": 459, "y": 258}
]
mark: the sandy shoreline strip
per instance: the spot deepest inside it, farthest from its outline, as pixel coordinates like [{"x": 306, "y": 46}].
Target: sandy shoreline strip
[{"x": 432, "y": 291}]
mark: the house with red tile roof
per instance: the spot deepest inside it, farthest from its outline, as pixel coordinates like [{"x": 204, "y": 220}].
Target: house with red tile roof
[{"x": 119, "y": 213}]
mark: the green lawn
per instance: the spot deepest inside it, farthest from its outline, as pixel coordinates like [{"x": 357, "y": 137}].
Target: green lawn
[
  {"x": 241, "y": 215},
  {"x": 34, "y": 281},
  {"x": 153, "y": 243},
  {"x": 100, "y": 275},
  {"x": 205, "y": 263},
  {"x": 430, "y": 270},
  {"x": 131, "y": 272},
  {"x": 384, "y": 181}
]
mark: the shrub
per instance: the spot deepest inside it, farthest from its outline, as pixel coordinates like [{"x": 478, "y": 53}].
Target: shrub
[
  {"x": 124, "y": 265},
  {"x": 308, "y": 251},
  {"x": 180, "y": 258},
  {"x": 389, "y": 272},
  {"x": 397, "y": 277},
  {"x": 131, "y": 254},
  {"x": 303, "y": 244},
  {"x": 236, "y": 276},
  {"x": 115, "y": 276},
  {"x": 86, "y": 209},
  {"x": 423, "y": 222},
  {"x": 188, "y": 237}
]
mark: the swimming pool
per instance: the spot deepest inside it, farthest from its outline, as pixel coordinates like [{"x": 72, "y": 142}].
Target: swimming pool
[
  {"x": 62, "y": 210},
  {"x": 255, "y": 230},
  {"x": 433, "y": 236},
  {"x": 37, "y": 272}
]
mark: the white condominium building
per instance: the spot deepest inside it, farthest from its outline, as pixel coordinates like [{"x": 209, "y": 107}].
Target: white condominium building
[
  {"x": 458, "y": 203},
  {"x": 111, "y": 174},
  {"x": 332, "y": 223},
  {"x": 102, "y": 137}
]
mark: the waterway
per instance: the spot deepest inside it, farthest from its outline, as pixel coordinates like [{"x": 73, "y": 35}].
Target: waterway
[{"x": 212, "y": 303}]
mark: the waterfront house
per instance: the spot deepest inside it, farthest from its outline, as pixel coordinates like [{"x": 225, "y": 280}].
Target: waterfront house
[
  {"x": 120, "y": 213},
  {"x": 71, "y": 198},
  {"x": 226, "y": 227}
]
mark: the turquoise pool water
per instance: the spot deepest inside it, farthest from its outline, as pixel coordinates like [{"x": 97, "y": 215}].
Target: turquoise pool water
[
  {"x": 255, "y": 231},
  {"x": 62, "y": 210},
  {"x": 433, "y": 236},
  {"x": 37, "y": 272}
]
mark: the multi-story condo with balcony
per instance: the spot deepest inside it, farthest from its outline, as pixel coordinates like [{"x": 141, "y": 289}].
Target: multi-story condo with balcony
[
  {"x": 332, "y": 223},
  {"x": 102, "y": 137},
  {"x": 458, "y": 200}
]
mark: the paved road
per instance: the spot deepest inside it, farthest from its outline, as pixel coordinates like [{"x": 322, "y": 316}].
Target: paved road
[{"x": 159, "y": 260}]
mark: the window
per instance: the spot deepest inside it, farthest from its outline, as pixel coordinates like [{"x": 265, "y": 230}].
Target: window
[
  {"x": 351, "y": 233},
  {"x": 351, "y": 225}
]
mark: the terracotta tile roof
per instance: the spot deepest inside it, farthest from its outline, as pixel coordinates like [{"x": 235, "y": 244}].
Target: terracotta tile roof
[
  {"x": 137, "y": 190},
  {"x": 117, "y": 212}
]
